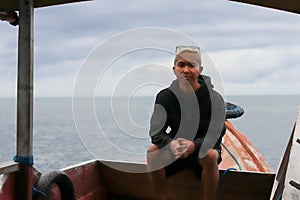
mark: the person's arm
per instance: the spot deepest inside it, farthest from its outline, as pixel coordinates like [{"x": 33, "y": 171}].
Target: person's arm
[
  {"x": 216, "y": 127},
  {"x": 198, "y": 143},
  {"x": 158, "y": 124}
]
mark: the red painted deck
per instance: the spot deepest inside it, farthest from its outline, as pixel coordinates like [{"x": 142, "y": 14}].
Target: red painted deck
[{"x": 96, "y": 180}]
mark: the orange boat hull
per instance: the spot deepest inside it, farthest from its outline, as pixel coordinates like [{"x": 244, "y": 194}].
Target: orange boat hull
[{"x": 241, "y": 152}]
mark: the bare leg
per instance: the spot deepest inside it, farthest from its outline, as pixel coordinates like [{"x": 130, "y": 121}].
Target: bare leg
[
  {"x": 157, "y": 173},
  {"x": 210, "y": 175}
]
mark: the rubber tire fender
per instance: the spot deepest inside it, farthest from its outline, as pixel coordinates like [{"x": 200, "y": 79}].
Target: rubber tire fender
[
  {"x": 60, "y": 179},
  {"x": 233, "y": 111}
]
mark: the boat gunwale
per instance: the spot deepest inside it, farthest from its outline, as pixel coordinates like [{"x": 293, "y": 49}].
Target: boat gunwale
[
  {"x": 109, "y": 163},
  {"x": 9, "y": 167}
]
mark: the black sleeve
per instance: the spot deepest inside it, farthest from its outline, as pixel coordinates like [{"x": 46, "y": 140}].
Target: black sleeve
[
  {"x": 216, "y": 128},
  {"x": 158, "y": 123}
]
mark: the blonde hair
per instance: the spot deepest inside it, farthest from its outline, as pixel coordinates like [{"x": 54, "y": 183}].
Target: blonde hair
[{"x": 188, "y": 50}]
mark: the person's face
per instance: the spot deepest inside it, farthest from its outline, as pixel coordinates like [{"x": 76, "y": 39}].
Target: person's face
[{"x": 187, "y": 67}]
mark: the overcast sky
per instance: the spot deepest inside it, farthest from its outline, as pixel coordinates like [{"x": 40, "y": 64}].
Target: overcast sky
[{"x": 254, "y": 50}]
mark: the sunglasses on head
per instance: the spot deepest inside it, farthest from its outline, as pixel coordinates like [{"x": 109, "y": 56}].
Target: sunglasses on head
[{"x": 182, "y": 47}]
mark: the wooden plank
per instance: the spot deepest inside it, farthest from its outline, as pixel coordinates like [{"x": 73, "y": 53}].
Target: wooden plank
[
  {"x": 25, "y": 81},
  {"x": 247, "y": 185},
  {"x": 13, "y": 5},
  {"x": 87, "y": 181},
  {"x": 286, "y": 5},
  {"x": 281, "y": 173},
  {"x": 184, "y": 185},
  {"x": 289, "y": 165},
  {"x": 293, "y": 167},
  {"x": 9, "y": 167},
  {"x": 124, "y": 184},
  {"x": 25, "y": 99},
  {"x": 7, "y": 188}
]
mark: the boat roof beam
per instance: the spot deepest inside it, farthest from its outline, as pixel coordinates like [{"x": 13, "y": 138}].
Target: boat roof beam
[
  {"x": 10, "y": 16},
  {"x": 286, "y": 5},
  {"x": 13, "y": 5}
]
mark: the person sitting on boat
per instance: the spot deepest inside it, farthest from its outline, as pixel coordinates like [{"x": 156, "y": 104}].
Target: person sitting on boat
[{"x": 187, "y": 126}]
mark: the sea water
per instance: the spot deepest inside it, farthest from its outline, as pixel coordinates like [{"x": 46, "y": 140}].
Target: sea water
[{"x": 117, "y": 128}]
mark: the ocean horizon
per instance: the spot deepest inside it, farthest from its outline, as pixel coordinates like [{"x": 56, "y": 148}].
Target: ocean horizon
[{"x": 61, "y": 131}]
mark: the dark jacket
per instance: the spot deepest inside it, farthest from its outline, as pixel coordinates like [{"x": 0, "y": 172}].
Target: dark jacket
[{"x": 192, "y": 117}]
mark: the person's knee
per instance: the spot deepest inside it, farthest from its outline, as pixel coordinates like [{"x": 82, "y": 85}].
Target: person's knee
[
  {"x": 211, "y": 159},
  {"x": 156, "y": 155},
  {"x": 152, "y": 153},
  {"x": 152, "y": 148}
]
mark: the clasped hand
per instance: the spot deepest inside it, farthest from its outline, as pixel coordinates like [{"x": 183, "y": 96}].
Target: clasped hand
[{"x": 182, "y": 148}]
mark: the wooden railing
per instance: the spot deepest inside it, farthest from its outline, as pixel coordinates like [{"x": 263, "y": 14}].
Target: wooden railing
[
  {"x": 9, "y": 167},
  {"x": 287, "y": 182}
]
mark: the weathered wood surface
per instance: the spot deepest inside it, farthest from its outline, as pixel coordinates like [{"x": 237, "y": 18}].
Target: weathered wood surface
[
  {"x": 293, "y": 167},
  {"x": 14, "y": 4},
  {"x": 288, "y": 176},
  {"x": 87, "y": 181},
  {"x": 7, "y": 186},
  {"x": 245, "y": 152},
  {"x": 286, "y": 5},
  {"x": 184, "y": 185},
  {"x": 9, "y": 167},
  {"x": 110, "y": 179}
]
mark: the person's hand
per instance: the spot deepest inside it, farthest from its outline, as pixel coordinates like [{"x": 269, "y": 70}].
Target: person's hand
[
  {"x": 173, "y": 146},
  {"x": 185, "y": 148},
  {"x": 176, "y": 149}
]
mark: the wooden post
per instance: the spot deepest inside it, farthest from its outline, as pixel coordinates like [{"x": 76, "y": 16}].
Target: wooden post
[
  {"x": 292, "y": 179},
  {"x": 25, "y": 98},
  {"x": 287, "y": 183}
]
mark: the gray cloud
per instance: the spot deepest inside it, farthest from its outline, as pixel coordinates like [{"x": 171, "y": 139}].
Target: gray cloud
[{"x": 250, "y": 45}]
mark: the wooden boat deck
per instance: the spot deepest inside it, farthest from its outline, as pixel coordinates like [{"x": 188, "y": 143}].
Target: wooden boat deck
[
  {"x": 109, "y": 183},
  {"x": 102, "y": 179}
]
